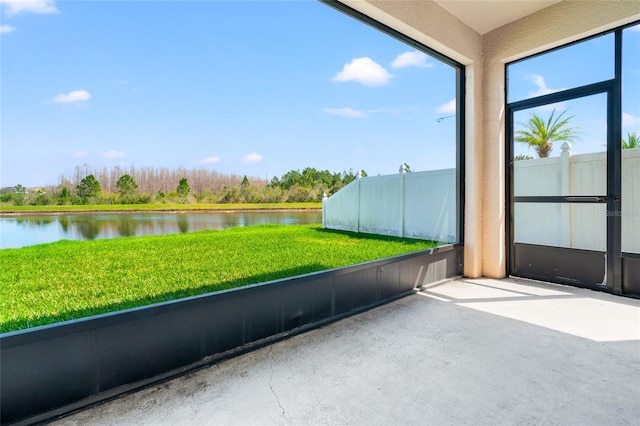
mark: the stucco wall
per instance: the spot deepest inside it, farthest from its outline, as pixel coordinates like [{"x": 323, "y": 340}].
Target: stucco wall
[{"x": 485, "y": 58}]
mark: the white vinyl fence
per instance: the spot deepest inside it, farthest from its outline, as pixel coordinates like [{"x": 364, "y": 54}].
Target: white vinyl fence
[
  {"x": 423, "y": 204},
  {"x": 418, "y": 205},
  {"x": 576, "y": 225}
]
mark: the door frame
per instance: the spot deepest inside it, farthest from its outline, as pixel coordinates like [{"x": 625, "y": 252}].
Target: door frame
[{"x": 613, "y": 274}]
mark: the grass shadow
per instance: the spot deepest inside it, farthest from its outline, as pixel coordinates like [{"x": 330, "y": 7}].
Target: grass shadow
[
  {"x": 20, "y": 324},
  {"x": 377, "y": 237}
]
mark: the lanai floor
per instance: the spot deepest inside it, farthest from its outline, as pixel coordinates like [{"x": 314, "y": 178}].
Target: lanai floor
[{"x": 464, "y": 352}]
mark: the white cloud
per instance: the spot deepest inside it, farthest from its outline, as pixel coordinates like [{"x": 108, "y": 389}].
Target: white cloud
[
  {"x": 411, "y": 59},
  {"x": 252, "y": 158},
  {"x": 80, "y": 154},
  {"x": 113, "y": 154},
  {"x": 5, "y": 29},
  {"x": 73, "y": 96},
  {"x": 448, "y": 108},
  {"x": 364, "y": 70},
  {"x": 211, "y": 160},
  {"x": 629, "y": 120},
  {"x": 543, "y": 89},
  {"x": 34, "y": 6},
  {"x": 345, "y": 112}
]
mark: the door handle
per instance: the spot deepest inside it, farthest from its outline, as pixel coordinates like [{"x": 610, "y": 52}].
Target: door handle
[
  {"x": 591, "y": 199},
  {"x": 586, "y": 199}
]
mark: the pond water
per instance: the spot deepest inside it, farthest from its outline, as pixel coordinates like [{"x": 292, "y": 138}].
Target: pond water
[{"x": 27, "y": 230}]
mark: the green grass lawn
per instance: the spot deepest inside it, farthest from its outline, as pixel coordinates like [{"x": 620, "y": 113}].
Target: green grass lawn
[{"x": 65, "y": 280}]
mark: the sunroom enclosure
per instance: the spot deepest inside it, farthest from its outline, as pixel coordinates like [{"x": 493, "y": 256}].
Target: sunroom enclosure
[
  {"x": 485, "y": 163},
  {"x": 485, "y": 44}
]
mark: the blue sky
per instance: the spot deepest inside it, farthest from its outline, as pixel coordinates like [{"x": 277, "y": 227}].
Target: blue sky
[
  {"x": 250, "y": 88},
  {"x": 584, "y": 63},
  {"x": 255, "y": 88}
]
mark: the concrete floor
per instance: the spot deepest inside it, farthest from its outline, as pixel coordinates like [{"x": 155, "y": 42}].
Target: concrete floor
[{"x": 464, "y": 352}]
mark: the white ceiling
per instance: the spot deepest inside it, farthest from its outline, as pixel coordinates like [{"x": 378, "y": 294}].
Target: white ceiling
[{"x": 486, "y": 15}]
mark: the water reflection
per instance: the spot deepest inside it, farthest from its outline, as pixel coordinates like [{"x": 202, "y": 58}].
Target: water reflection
[
  {"x": 126, "y": 228},
  {"x": 183, "y": 224},
  {"x": 36, "y": 220},
  {"x": 20, "y": 231},
  {"x": 64, "y": 223},
  {"x": 88, "y": 230}
]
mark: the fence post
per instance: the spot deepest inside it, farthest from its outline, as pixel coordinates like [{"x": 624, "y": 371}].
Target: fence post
[
  {"x": 359, "y": 178},
  {"x": 324, "y": 210},
  {"x": 565, "y": 189},
  {"x": 403, "y": 172}
]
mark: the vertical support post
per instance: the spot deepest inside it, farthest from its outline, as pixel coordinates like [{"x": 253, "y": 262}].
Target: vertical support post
[
  {"x": 566, "y": 234},
  {"x": 613, "y": 279}
]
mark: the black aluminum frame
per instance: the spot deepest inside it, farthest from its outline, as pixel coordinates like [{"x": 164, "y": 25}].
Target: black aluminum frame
[
  {"x": 614, "y": 256},
  {"x": 460, "y": 97}
]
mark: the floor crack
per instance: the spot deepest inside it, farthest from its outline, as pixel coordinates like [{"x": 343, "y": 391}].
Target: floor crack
[{"x": 284, "y": 415}]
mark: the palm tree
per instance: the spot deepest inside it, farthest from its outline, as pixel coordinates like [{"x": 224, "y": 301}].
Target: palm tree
[
  {"x": 632, "y": 141},
  {"x": 541, "y": 134}
]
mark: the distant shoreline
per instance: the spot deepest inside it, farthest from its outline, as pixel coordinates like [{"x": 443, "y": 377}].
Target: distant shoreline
[
  {"x": 157, "y": 208},
  {"x": 168, "y": 211}
]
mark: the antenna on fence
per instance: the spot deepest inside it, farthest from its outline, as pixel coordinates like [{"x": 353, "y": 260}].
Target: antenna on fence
[{"x": 439, "y": 120}]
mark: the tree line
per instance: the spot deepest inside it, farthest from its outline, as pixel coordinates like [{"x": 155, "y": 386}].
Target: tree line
[{"x": 132, "y": 185}]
